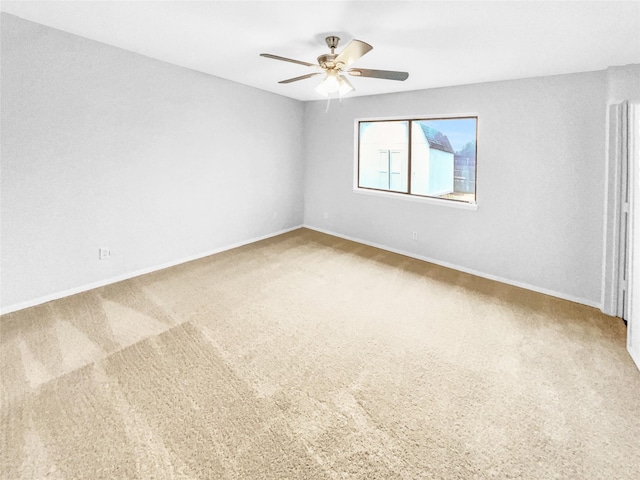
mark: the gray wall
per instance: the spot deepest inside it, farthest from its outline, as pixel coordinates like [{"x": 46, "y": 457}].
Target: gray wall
[
  {"x": 623, "y": 83},
  {"x": 541, "y": 150},
  {"x": 103, "y": 147}
]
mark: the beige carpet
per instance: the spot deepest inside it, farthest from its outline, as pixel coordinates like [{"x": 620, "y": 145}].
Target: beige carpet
[{"x": 310, "y": 357}]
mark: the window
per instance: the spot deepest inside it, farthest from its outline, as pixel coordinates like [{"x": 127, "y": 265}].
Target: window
[{"x": 425, "y": 157}]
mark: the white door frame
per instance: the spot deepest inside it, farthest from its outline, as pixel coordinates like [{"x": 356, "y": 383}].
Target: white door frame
[
  {"x": 621, "y": 261},
  {"x": 615, "y": 208},
  {"x": 633, "y": 285}
]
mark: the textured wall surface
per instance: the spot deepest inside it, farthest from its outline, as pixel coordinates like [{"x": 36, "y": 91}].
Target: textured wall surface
[
  {"x": 540, "y": 190},
  {"x": 105, "y": 148}
]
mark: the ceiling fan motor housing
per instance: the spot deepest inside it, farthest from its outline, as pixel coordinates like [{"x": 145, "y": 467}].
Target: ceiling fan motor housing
[{"x": 327, "y": 60}]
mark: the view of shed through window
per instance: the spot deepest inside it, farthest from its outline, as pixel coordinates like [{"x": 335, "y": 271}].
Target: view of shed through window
[{"x": 434, "y": 157}]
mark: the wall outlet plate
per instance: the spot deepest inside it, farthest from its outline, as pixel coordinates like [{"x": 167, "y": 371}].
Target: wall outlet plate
[{"x": 103, "y": 252}]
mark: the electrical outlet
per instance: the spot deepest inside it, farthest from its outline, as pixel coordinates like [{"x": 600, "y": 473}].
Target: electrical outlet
[
  {"x": 103, "y": 253},
  {"x": 414, "y": 235},
  {"x": 326, "y": 215}
]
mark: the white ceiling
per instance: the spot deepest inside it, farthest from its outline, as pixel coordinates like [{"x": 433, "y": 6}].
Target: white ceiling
[{"x": 440, "y": 43}]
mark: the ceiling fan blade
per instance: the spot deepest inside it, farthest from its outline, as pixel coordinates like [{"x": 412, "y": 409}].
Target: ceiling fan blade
[
  {"x": 352, "y": 52},
  {"x": 289, "y": 80},
  {"x": 284, "y": 59},
  {"x": 385, "y": 74}
]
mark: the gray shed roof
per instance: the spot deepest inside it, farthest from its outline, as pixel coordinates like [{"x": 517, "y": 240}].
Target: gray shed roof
[{"x": 436, "y": 139}]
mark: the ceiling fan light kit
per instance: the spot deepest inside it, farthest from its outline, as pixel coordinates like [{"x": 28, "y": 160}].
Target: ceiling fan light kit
[
  {"x": 334, "y": 66},
  {"x": 334, "y": 83}
]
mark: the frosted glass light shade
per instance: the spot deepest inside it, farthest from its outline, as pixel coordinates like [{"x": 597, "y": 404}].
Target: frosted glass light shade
[{"x": 334, "y": 83}]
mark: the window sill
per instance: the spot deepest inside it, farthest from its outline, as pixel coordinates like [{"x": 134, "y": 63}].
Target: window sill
[{"x": 415, "y": 198}]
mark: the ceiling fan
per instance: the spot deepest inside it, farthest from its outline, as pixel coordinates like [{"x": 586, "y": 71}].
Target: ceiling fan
[{"x": 334, "y": 66}]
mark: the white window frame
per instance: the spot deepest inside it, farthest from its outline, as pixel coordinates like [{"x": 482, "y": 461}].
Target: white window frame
[{"x": 408, "y": 196}]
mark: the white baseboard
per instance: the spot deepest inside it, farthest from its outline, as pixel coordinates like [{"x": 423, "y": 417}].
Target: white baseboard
[
  {"x": 477, "y": 273},
  {"x": 137, "y": 273},
  {"x": 635, "y": 355},
  {"x": 126, "y": 276}
]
